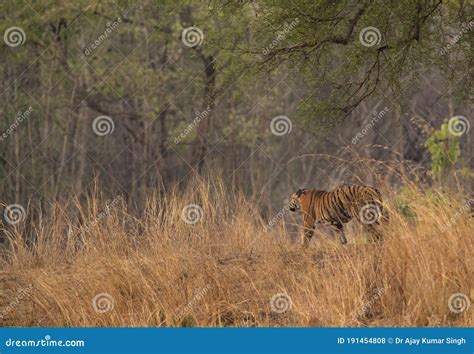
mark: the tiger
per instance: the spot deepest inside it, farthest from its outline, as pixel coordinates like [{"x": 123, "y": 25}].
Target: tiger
[{"x": 337, "y": 207}]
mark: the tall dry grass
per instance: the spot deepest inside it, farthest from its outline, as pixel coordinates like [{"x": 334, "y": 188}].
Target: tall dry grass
[{"x": 224, "y": 270}]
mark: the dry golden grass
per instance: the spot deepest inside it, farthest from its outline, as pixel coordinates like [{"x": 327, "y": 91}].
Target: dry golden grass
[{"x": 223, "y": 270}]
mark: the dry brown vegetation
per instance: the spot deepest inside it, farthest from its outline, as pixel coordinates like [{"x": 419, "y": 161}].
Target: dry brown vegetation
[{"x": 223, "y": 270}]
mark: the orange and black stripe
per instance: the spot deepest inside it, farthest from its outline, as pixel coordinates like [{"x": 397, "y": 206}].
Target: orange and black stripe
[{"x": 336, "y": 207}]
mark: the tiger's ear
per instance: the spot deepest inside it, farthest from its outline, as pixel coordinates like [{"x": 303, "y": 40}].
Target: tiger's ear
[{"x": 300, "y": 191}]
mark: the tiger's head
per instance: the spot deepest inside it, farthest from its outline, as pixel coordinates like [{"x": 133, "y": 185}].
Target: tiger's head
[{"x": 295, "y": 199}]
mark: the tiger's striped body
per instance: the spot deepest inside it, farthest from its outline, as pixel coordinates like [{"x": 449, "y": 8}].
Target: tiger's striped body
[{"x": 338, "y": 207}]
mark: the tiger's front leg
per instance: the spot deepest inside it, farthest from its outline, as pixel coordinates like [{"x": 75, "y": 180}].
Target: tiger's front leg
[
  {"x": 307, "y": 237},
  {"x": 308, "y": 230}
]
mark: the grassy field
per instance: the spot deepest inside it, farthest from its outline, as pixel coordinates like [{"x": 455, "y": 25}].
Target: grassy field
[{"x": 230, "y": 269}]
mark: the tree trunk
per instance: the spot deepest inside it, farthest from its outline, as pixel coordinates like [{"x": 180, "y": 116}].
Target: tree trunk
[{"x": 203, "y": 127}]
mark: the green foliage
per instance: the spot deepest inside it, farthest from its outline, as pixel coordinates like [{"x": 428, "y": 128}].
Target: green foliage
[
  {"x": 407, "y": 198},
  {"x": 324, "y": 49},
  {"x": 444, "y": 150},
  {"x": 403, "y": 202}
]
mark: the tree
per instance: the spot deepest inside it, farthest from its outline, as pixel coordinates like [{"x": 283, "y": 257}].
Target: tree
[{"x": 349, "y": 51}]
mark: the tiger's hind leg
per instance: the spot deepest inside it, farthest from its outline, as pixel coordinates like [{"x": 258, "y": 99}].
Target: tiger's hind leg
[
  {"x": 308, "y": 229},
  {"x": 374, "y": 231},
  {"x": 340, "y": 232}
]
